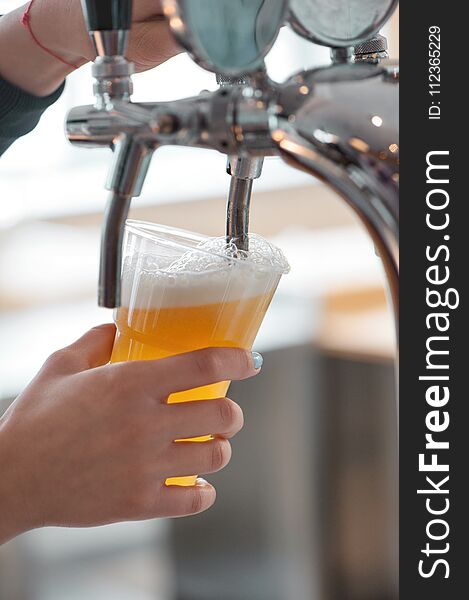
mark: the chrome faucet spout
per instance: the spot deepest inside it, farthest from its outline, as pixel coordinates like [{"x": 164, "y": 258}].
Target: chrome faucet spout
[
  {"x": 110, "y": 265},
  {"x": 237, "y": 217}
]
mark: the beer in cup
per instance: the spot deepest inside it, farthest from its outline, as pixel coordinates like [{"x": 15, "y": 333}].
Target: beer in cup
[{"x": 183, "y": 291}]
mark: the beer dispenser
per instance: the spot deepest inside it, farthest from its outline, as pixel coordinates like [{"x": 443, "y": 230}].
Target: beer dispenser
[{"x": 338, "y": 122}]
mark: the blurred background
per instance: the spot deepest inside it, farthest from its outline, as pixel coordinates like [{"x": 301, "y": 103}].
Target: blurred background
[{"x": 306, "y": 509}]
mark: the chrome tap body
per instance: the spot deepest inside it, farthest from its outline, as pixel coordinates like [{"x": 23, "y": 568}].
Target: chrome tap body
[{"x": 339, "y": 123}]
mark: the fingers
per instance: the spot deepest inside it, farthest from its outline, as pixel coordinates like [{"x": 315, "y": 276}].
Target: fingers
[
  {"x": 178, "y": 501},
  {"x": 150, "y": 44},
  {"x": 184, "y": 458},
  {"x": 221, "y": 417},
  {"x": 93, "y": 349},
  {"x": 190, "y": 370}
]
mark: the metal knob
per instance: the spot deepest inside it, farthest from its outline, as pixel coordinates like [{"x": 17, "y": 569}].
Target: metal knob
[
  {"x": 223, "y": 80},
  {"x": 372, "y": 50},
  {"x": 108, "y": 22}
]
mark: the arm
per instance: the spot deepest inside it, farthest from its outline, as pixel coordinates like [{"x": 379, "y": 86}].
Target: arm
[{"x": 31, "y": 79}]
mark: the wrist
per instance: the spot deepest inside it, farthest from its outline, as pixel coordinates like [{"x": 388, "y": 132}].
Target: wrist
[
  {"x": 60, "y": 26},
  {"x": 24, "y": 63}
]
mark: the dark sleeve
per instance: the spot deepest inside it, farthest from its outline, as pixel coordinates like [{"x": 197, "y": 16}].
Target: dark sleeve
[{"x": 20, "y": 112}]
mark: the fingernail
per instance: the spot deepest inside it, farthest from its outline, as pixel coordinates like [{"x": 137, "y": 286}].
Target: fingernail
[{"x": 257, "y": 360}]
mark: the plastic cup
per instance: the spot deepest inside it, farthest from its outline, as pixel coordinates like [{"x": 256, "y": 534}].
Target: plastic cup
[{"x": 182, "y": 291}]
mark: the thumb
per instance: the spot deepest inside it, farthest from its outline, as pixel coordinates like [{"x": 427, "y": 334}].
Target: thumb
[{"x": 94, "y": 348}]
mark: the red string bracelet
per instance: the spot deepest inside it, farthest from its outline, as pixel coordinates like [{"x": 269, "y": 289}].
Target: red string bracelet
[{"x": 25, "y": 21}]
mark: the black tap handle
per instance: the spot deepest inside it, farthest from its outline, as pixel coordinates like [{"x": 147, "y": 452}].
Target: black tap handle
[{"x": 107, "y": 15}]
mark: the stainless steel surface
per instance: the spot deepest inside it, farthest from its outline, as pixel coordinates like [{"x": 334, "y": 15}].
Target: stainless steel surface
[
  {"x": 130, "y": 163},
  {"x": 112, "y": 79},
  {"x": 339, "y": 123},
  {"x": 244, "y": 167},
  {"x": 109, "y": 285},
  {"x": 339, "y": 22},
  {"x": 226, "y": 36},
  {"x": 237, "y": 212},
  {"x": 243, "y": 171},
  {"x": 110, "y": 43},
  {"x": 345, "y": 131}
]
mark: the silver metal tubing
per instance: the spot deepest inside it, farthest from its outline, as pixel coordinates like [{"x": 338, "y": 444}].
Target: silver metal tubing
[
  {"x": 110, "y": 264},
  {"x": 110, "y": 43},
  {"x": 243, "y": 170},
  {"x": 237, "y": 221}
]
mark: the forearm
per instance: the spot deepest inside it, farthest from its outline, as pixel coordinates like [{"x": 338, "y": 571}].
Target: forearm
[{"x": 23, "y": 63}]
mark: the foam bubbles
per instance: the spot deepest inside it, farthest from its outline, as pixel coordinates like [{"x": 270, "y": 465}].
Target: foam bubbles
[
  {"x": 214, "y": 253},
  {"x": 213, "y": 271}
]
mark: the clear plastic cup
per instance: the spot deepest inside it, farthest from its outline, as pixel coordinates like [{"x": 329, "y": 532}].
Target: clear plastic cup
[{"x": 182, "y": 291}]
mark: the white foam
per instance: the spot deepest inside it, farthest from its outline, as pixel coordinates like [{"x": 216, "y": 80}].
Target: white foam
[{"x": 212, "y": 272}]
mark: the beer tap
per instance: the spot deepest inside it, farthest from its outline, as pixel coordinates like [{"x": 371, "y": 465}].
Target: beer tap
[
  {"x": 134, "y": 131},
  {"x": 337, "y": 122}
]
